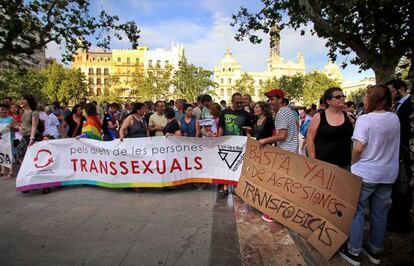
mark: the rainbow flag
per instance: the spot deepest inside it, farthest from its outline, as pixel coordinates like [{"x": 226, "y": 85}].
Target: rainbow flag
[{"x": 92, "y": 128}]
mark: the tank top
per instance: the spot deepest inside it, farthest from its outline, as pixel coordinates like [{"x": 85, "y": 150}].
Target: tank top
[
  {"x": 138, "y": 129},
  {"x": 333, "y": 144},
  {"x": 188, "y": 129}
]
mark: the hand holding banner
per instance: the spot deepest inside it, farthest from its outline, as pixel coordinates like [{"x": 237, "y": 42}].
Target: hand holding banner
[
  {"x": 314, "y": 198},
  {"x": 5, "y": 146}
]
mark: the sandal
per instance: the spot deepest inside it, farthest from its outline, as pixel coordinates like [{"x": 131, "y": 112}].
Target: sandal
[{"x": 9, "y": 176}]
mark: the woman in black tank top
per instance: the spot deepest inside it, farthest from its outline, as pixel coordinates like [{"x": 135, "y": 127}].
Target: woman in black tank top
[{"x": 330, "y": 132}]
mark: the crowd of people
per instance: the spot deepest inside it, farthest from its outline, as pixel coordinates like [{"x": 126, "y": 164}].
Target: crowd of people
[{"x": 371, "y": 141}]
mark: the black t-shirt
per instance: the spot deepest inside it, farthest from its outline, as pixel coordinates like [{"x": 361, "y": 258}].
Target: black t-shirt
[
  {"x": 233, "y": 121},
  {"x": 72, "y": 126},
  {"x": 171, "y": 127},
  {"x": 265, "y": 130}
]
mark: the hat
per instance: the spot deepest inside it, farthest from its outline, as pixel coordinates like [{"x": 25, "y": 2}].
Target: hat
[{"x": 276, "y": 93}]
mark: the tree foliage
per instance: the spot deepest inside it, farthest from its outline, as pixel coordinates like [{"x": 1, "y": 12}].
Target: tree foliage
[
  {"x": 244, "y": 85},
  {"x": 189, "y": 81},
  {"x": 28, "y": 26},
  {"x": 63, "y": 84},
  {"x": 268, "y": 85},
  {"x": 314, "y": 86},
  {"x": 357, "y": 96},
  {"x": 379, "y": 32},
  {"x": 14, "y": 83},
  {"x": 293, "y": 87}
]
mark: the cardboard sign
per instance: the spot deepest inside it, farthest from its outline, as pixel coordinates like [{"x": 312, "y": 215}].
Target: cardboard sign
[
  {"x": 314, "y": 198},
  {"x": 141, "y": 162}
]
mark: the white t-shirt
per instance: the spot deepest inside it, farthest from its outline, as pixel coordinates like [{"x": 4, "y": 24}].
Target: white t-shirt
[
  {"x": 51, "y": 126},
  {"x": 380, "y": 134},
  {"x": 286, "y": 120}
]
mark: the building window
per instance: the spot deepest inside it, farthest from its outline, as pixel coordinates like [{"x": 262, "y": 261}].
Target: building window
[
  {"x": 128, "y": 71},
  {"x": 98, "y": 71},
  {"x": 260, "y": 81},
  {"x": 158, "y": 63},
  {"x": 98, "y": 91},
  {"x": 222, "y": 81},
  {"x": 167, "y": 63},
  {"x": 106, "y": 71},
  {"x": 128, "y": 60},
  {"x": 222, "y": 92},
  {"x": 229, "y": 92},
  {"x": 91, "y": 91},
  {"x": 93, "y": 58},
  {"x": 150, "y": 63},
  {"x": 229, "y": 69},
  {"x": 229, "y": 80},
  {"x": 137, "y": 60},
  {"x": 90, "y": 71},
  {"x": 105, "y": 81},
  {"x": 87, "y": 57},
  {"x": 119, "y": 59},
  {"x": 224, "y": 70},
  {"x": 98, "y": 82},
  {"x": 91, "y": 81}
]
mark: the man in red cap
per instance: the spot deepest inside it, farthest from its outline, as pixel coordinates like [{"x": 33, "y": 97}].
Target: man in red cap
[{"x": 287, "y": 132}]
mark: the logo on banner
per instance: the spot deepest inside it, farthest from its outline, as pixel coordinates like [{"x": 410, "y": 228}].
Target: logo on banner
[
  {"x": 231, "y": 155},
  {"x": 43, "y": 159}
]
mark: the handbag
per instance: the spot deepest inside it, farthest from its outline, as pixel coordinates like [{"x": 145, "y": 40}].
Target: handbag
[{"x": 402, "y": 183}]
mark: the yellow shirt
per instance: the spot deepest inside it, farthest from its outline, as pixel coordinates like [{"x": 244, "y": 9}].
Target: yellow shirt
[{"x": 157, "y": 120}]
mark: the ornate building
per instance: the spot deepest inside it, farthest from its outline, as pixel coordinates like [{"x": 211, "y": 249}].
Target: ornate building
[
  {"x": 229, "y": 70},
  {"x": 101, "y": 67}
]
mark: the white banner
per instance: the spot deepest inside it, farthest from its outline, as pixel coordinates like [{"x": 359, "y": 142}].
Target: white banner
[
  {"x": 6, "y": 156},
  {"x": 143, "y": 162}
]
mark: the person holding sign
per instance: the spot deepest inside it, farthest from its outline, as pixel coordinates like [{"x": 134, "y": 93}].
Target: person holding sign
[
  {"x": 329, "y": 134},
  {"x": 375, "y": 158},
  {"x": 287, "y": 132},
  {"x": 8, "y": 120},
  {"x": 135, "y": 125}
]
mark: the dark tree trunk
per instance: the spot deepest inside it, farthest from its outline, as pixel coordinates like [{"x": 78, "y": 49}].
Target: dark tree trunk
[{"x": 383, "y": 74}]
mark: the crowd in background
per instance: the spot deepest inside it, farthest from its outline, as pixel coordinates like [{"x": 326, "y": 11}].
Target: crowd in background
[{"x": 371, "y": 140}]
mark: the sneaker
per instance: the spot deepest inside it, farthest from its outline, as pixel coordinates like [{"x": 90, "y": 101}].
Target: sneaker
[
  {"x": 267, "y": 218},
  {"x": 372, "y": 256},
  {"x": 352, "y": 259}
]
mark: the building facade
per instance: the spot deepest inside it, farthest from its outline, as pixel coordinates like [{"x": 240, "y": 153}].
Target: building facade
[
  {"x": 101, "y": 68},
  {"x": 228, "y": 71}
]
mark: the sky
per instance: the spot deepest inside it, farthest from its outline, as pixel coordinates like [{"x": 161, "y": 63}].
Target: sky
[{"x": 203, "y": 27}]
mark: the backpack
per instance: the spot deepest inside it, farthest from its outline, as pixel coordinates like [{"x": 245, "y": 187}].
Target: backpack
[{"x": 304, "y": 127}]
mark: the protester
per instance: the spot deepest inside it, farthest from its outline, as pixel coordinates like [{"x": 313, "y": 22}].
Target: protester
[
  {"x": 223, "y": 104},
  {"x": 179, "y": 112},
  {"x": 66, "y": 111},
  {"x": 233, "y": 122},
  {"x": 29, "y": 127},
  {"x": 286, "y": 136},
  {"x": 91, "y": 129},
  {"x": 198, "y": 108},
  {"x": 157, "y": 121},
  {"x": 52, "y": 125},
  {"x": 399, "y": 218},
  {"x": 74, "y": 122},
  {"x": 8, "y": 120},
  {"x": 42, "y": 114},
  {"x": 210, "y": 126},
  {"x": 263, "y": 125},
  {"x": 172, "y": 128},
  {"x": 135, "y": 125},
  {"x": 207, "y": 102},
  {"x": 375, "y": 159},
  {"x": 329, "y": 134},
  {"x": 350, "y": 110},
  {"x": 7, "y": 101},
  {"x": 100, "y": 113},
  {"x": 190, "y": 126},
  {"x": 17, "y": 117},
  {"x": 248, "y": 104},
  {"x": 110, "y": 124}
]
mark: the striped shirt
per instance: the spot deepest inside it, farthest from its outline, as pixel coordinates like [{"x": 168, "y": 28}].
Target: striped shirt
[{"x": 286, "y": 120}]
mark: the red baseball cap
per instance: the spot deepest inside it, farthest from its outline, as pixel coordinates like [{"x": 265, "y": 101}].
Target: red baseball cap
[{"x": 276, "y": 93}]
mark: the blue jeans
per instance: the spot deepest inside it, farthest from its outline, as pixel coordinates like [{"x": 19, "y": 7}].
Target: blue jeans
[{"x": 378, "y": 197}]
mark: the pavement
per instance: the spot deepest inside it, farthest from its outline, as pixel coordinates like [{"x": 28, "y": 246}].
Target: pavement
[{"x": 85, "y": 225}]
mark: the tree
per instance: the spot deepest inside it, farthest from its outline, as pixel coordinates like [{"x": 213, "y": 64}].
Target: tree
[
  {"x": 357, "y": 96},
  {"x": 189, "y": 81},
  {"x": 268, "y": 85},
  {"x": 293, "y": 87},
  {"x": 16, "y": 82},
  {"x": 244, "y": 85},
  {"x": 153, "y": 85},
  {"x": 379, "y": 32},
  {"x": 63, "y": 84},
  {"x": 28, "y": 26},
  {"x": 314, "y": 86}
]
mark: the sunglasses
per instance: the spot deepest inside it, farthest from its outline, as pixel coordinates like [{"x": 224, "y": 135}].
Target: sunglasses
[{"x": 338, "y": 97}]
